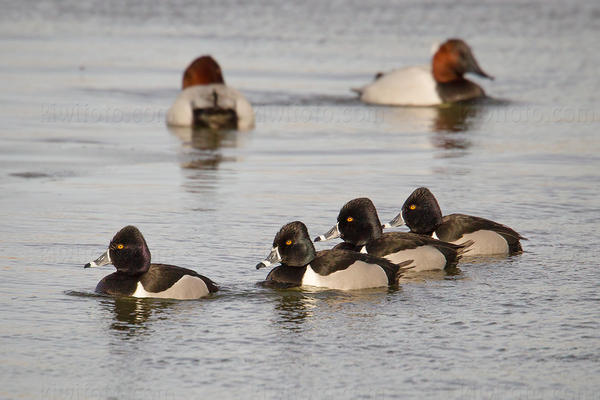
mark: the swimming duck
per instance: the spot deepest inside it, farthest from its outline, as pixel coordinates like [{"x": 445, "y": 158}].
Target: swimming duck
[
  {"x": 359, "y": 226},
  {"x": 301, "y": 265},
  {"x": 137, "y": 277},
  {"x": 206, "y": 102},
  {"x": 422, "y": 214},
  {"x": 443, "y": 82}
]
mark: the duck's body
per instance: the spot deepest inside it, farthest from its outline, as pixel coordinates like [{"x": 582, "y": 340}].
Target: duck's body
[
  {"x": 137, "y": 277},
  {"x": 338, "y": 269},
  {"x": 411, "y": 86},
  {"x": 488, "y": 237},
  {"x": 428, "y": 254},
  {"x": 214, "y": 106},
  {"x": 422, "y": 214},
  {"x": 359, "y": 226},
  {"x": 160, "y": 281},
  {"x": 440, "y": 83},
  {"x": 332, "y": 269},
  {"x": 207, "y": 102}
]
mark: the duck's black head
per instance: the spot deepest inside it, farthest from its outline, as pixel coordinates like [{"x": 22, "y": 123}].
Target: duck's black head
[
  {"x": 421, "y": 212},
  {"x": 358, "y": 222},
  {"x": 292, "y": 246},
  {"x": 127, "y": 251}
]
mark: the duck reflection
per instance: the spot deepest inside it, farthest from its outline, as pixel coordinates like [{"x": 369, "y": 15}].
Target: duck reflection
[
  {"x": 293, "y": 308},
  {"x": 450, "y": 124},
  {"x": 207, "y": 139},
  {"x": 131, "y": 314},
  {"x": 458, "y": 117},
  {"x": 428, "y": 276},
  {"x": 202, "y": 147}
]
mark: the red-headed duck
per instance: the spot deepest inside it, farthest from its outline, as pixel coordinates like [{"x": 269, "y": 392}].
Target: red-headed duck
[
  {"x": 206, "y": 102},
  {"x": 443, "y": 82}
]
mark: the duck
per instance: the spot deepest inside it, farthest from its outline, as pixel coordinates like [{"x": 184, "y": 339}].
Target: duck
[
  {"x": 422, "y": 214},
  {"x": 302, "y": 265},
  {"x": 360, "y": 228},
  {"x": 442, "y": 82},
  {"x": 136, "y": 276},
  {"x": 205, "y": 101}
]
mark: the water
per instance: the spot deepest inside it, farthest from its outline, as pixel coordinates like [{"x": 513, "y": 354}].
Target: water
[{"x": 84, "y": 151}]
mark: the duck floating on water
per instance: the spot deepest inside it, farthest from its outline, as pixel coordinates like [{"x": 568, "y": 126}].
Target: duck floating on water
[
  {"x": 207, "y": 102},
  {"x": 136, "y": 276},
  {"x": 423, "y": 215},
  {"x": 442, "y": 82}
]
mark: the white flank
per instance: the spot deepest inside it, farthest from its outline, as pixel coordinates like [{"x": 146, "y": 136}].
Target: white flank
[
  {"x": 186, "y": 288},
  {"x": 485, "y": 243},
  {"x": 411, "y": 86},
  {"x": 426, "y": 258},
  {"x": 360, "y": 275}
]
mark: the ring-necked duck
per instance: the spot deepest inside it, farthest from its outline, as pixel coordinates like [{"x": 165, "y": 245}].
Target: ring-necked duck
[
  {"x": 359, "y": 226},
  {"x": 206, "y": 102},
  {"x": 422, "y": 214},
  {"x": 137, "y": 277},
  {"x": 442, "y": 82},
  {"x": 301, "y": 265}
]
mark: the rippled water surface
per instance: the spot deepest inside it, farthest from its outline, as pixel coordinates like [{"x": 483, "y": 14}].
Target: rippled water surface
[{"x": 84, "y": 151}]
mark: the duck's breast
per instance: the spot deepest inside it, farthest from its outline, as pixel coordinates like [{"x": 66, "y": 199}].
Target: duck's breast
[{"x": 411, "y": 86}]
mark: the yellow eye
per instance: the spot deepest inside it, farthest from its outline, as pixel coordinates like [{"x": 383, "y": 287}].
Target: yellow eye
[
  {"x": 288, "y": 242},
  {"x": 120, "y": 246},
  {"x": 349, "y": 219},
  {"x": 412, "y": 206}
]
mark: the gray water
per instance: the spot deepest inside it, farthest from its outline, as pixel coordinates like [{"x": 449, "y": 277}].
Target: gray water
[{"x": 84, "y": 151}]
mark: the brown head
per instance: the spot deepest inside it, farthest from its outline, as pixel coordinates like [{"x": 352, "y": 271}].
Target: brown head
[
  {"x": 202, "y": 71},
  {"x": 454, "y": 59}
]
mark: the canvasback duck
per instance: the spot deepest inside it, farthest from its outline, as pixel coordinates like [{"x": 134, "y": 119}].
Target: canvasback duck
[
  {"x": 206, "y": 102},
  {"x": 422, "y": 214},
  {"x": 443, "y": 82}
]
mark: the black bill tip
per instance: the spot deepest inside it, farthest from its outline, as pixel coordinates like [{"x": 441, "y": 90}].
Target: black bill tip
[
  {"x": 260, "y": 265},
  {"x": 88, "y": 265}
]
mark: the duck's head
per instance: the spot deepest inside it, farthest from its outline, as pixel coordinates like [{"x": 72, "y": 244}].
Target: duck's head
[
  {"x": 292, "y": 246},
  {"x": 420, "y": 212},
  {"x": 452, "y": 60},
  {"x": 202, "y": 71},
  {"x": 127, "y": 251},
  {"x": 357, "y": 223}
]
